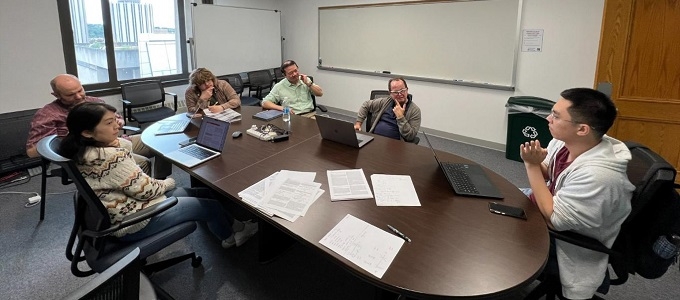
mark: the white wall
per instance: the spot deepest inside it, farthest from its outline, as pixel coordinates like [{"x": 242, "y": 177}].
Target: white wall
[
  {"x": 572, "y": 33},
  {"x": 31, "y": 54}
]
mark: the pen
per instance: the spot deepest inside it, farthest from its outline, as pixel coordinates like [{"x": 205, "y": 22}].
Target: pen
[{"x": 397, "y": 232}]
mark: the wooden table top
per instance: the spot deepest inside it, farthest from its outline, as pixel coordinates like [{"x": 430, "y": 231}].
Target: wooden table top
[{"x": 458, "y": 248}]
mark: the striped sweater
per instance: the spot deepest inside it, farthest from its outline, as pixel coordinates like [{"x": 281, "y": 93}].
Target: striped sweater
[{"x": 120, "y": 183}]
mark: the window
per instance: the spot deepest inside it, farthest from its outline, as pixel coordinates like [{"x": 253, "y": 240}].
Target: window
[{"x": 107, "y": 42}]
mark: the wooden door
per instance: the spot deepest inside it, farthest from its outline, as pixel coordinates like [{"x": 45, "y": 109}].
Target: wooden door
[{"x": 640, "y": 56}]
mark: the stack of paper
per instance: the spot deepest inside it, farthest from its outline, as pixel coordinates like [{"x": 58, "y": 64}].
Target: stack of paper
[
  {"x": 348, "y": 185},
  {"x": 227, "y": 115},
  {"x": 286, "y": 194}
]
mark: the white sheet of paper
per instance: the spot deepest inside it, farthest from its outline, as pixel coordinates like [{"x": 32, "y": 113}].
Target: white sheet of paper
[
  {"x": 365, "y": 245},
  {"x": 394, "y": 190},
  {"x": 291, "y": 196},
  {"x": 348, "y": 185}
]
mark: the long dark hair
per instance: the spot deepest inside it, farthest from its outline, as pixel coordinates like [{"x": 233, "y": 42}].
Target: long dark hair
[{"x": 83, "y": 116}]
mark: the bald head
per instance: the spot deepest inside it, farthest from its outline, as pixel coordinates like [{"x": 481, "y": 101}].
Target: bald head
[{"x": 67, "y": 89}]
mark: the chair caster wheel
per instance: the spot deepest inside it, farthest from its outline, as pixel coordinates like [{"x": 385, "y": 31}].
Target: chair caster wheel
[{"x": 196, "y": 262}]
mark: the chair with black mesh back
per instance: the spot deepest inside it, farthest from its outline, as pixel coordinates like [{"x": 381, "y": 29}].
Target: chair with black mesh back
[
  {"x": 278, "y": 75},
  {"x": 375, "y": 94},
  {"x": 653, "y": 178},
  {"x": 122, "y": 280},
  {"x": 92, "y": 237},
  {"x": 260, "y": 83},
  {"x": 320, "y": 107},
  {"x": 236, "y": 82},
  {"x": 144, "y": 102}
]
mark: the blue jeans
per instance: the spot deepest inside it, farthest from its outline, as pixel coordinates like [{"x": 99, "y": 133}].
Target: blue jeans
[{"x": 193, "y": 204}]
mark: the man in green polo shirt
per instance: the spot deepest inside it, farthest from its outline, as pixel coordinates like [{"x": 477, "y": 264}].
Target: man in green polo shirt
[{"x": 297, "y": 87}]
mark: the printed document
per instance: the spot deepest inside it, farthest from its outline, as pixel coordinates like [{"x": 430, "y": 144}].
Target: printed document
[
  {"x": 365, "y": 245},
  {"x": 394, "y": 190},
  {"x": 291, "y": 196},
  {"x": 227, "y": 115},
  {"x": 348, "y": 185}
]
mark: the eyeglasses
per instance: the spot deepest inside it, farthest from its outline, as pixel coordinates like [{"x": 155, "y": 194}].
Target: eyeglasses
[
  {"x": 402, "y": 91},
  {"x": 557, "y": 119}
]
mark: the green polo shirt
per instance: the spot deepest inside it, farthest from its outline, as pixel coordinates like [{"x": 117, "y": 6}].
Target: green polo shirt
[{"x": 299, "y": 96}]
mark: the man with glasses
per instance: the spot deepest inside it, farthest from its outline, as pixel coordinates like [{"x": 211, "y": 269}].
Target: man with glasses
[
  {"x": 587, "y": 188},
  {"x": 297, "y": 87},
  {"x": 396, "y": 116}
]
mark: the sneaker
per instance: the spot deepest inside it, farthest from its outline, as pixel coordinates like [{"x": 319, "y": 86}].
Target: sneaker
[{"x": 241, "y": 237}]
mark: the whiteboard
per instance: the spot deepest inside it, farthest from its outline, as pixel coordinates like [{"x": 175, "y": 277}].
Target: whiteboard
[
  {"x": 230, "y": 40},
  {"x": 458, "y": 42}
]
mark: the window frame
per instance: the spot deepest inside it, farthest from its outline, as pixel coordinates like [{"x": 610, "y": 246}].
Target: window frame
[{"x": 113, "y": 85}]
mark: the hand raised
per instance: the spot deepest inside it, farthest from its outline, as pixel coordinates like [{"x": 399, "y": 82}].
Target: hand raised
[{"x": 532, "y": 152}]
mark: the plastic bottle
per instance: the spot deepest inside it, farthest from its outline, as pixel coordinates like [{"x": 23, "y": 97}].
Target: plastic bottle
[{"x": 286, "y": 109}]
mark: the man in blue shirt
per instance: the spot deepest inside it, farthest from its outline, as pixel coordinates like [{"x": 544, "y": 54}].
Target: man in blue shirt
[{"x": 395, "y": 116}]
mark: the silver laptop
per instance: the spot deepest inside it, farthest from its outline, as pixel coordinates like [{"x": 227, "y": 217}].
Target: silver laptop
[
  {"x": 209, "y": 144},
  {"x": 174, "y": 126},
  {"x": 341, "y": 132}
]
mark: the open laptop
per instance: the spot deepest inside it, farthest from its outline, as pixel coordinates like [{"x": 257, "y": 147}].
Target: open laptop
[
  {"x": 341, "y": 132},
  {"x": 174, "y": 126},
  {"x": 467, "y": 179},
  {"x": 209, "y": 144}
]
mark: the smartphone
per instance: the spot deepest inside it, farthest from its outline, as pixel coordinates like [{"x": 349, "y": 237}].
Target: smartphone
[{"x": 507, "y": 210}]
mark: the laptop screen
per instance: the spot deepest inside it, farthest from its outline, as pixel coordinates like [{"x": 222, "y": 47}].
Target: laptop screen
[
  {"x": 213, "y": 133},
  {"x": 430, "y": 145}
]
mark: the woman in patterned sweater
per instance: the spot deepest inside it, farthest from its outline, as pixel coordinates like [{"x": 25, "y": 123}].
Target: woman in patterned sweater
[{"x": 105, "y": 162}]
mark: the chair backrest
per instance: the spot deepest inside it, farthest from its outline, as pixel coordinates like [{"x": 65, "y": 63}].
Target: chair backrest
[
  {"x": 235, "y": 81},
  {"x": 278, "y": 75},
  {"x": 119, "y": 281},
  {"x": 259, "y": 81},
  {"x": 143, "y": 93},
  {"x": 90, "y": 213}
]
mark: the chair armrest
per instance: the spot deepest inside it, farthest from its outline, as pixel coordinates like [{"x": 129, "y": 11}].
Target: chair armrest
[
  {"x": 322, "y": 108},
  {"x": 125, "y": 102},
  {"x": 582, "y": 241},
  {"x": 175, "y": 99},
  {"x": 134, "y": 218}
]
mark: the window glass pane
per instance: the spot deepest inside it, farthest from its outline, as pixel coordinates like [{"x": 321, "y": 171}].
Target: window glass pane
[
  {"x": 88, "y": 38},
  {"x": 145, "y": 38}
]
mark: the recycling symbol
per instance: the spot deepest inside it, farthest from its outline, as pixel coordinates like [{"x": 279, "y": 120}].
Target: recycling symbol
[{"x": 530, "y": 132}]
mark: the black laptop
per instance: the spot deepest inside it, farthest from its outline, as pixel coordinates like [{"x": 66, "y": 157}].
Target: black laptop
[{"x": 467, "y": 179}]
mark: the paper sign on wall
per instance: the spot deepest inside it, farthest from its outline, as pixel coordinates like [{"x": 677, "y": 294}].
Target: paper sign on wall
[{"x": 532, "y": 40}]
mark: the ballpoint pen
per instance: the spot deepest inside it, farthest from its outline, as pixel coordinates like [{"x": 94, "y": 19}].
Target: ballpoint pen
[{"x": 397, "y": 232}]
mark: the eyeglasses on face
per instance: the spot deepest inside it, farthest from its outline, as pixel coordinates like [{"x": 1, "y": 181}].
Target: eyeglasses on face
[{"x": 402, "y": 91}]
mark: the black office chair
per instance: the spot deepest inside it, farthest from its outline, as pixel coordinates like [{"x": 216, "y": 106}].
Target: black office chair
[
  {"x": 260, "y": 83},
  {"x": 653, "y": 177},
  {"x": 122, "y": 280},
  {"x": 148, "y": 94},
  {"x": 237, "y": 83},
  {"x": 278, "y": 75},
  {"x": 375, "y": 94},
  {"x": 320, "y": 107},
  {"x": 93, "y": 230}
]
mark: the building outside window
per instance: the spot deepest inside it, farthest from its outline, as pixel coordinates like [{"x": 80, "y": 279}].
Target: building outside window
[{"x": 146, "y": 38}]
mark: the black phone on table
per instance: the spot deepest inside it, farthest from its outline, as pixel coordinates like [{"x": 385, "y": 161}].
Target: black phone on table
[{"x": 506, "y": 210}]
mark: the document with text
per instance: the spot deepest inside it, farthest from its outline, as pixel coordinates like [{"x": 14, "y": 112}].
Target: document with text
[
  {"x": 348, "y": 185},
  {"x": 365, "y": 245},
  {"x": 227, "y": 115},
  {"x": 394, "y": 190}
]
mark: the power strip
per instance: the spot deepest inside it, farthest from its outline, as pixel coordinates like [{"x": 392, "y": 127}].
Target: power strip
[{"x": 262, "y": 136}]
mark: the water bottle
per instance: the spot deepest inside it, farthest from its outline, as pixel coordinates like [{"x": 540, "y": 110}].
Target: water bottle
[{"x": 286, "y": 109}]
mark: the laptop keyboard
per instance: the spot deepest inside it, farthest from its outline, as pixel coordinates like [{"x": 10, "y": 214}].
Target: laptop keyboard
[
  {"x": 196, "y": 152},
  {"x": 457, "y": 175}
]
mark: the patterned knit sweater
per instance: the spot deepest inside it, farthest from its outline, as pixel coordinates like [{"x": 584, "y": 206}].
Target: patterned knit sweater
[{"x": 120, "y": 183}]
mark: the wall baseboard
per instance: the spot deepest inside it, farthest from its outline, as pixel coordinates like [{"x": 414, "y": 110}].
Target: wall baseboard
[{"x": 438, "y": 133}]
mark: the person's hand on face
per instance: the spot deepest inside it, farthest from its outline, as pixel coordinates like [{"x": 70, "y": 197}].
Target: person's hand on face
[
  {"x": 207, "y": 93},
  {"x": 398, "y": 110}
]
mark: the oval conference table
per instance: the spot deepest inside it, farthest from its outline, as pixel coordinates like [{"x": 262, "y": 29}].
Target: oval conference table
[{"x": 458, "y": 250}]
